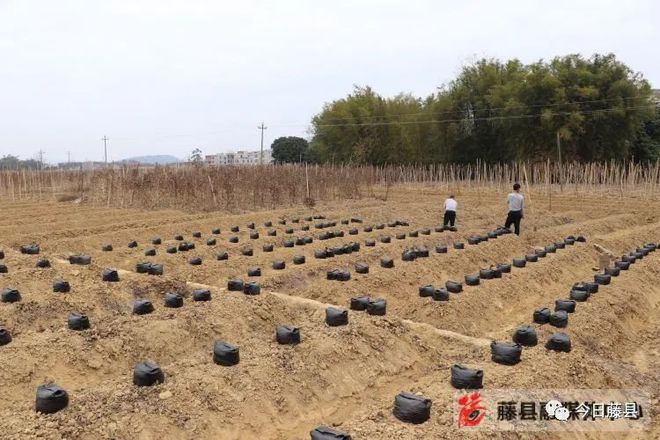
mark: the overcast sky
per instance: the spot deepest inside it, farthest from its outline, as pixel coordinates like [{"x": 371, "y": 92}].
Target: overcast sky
[{"x": 165, "y": 76}]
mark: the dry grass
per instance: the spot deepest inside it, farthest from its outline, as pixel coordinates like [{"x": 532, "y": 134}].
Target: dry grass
[{"x": 236, "y": 189}]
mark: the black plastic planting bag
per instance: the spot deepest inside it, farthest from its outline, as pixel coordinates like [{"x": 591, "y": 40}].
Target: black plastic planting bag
[
  {"x": 235, "y": 285},
  {"x": 132, "y": 244},
  {"x": 368, "y": 229},
  {"x": 156, "y": 241},
  {"x": 251, "y": 288},
  {"x": 82, "y": 260},
  {"x": 30, "y": 249},
  {"x": 559, "y": 319},
  {"x": 5, "y": 336},
  {"x": 589, "y": 287},
  {"x": 408, "y": 255},
  {"x": 559, "y": 342},
  {"x": 300, "y": 241},
  {"x": 202, "y": 294},
  {"x": 440, "y": 294},
  {"x": 542, "y": 316},
  {"x": 254, "y": 271},
  {"x": 525, "y": 335},
  {"x": 325, "y": 433},
  {"x": 377, "y": 307},
  {"x": 247, "y": 252},
  {"x": 385, "y": 239},
  {"x": 3, "y": 269},
  {"x": 520, "y": 262},
  {"x": 370, "y": 242},
  {"x": 197, "y": 234},
  {"x": 387, "y": 263},
  {"x": 150, "y": 252},
  {"x": 110, "y": 275},
  {"x": 400, "y": 236},
  {"x": 268, "y": 224},
  {"x": 225, "y": 354},
  {"x": 361, "y": 268},
  {"x": 142, "y": 267},
  {"x": 473, "y": 240},
  {"x": 288, "y": 243},
  {"x": 612, "y": 271},
  {"x": 285, "y": 334},
  {"x": 454, "y": 286},
  {"x": 147, "y": 373},
  {"x": 171, "y": 250},
  {"x": 51, "y": 398},
  {"x": 602, "y": 278},
  {"x": 465, "y": 378},
  {"x": 173, "y": 300},
  {"x": 272, "y": 233},
  {"x": 486, "y": 274},
  {"x": 413, "y": 234},
  {"x": 10, "y": 295},
  {"x": 458, "y": 245},
  {"x": 211, "y": 242},
  {"x": 441, "y": 249},
  {"x": 472, "y": 280},
  {"x": 43, "y": 263},
  {"x": 425, "y": 231},
  {"x": 410, "y": 408},
  {"x": 569, "y": 241},
  {"x": 279, "y": 264},
  {"x": 288, "y": 231},
  {"x": 298, "y": 259},
  {"x": 215, "y": 231},
  {"x": 560, "y": 245},
  {"x": 581, "y": 239},
  {"x": 155, "y": 269},
  {"x": 335, "y": 317},
  {"x": 2, "y": 255},
  {"x": 426, "y": 291},
  {"x": 579, "y": 295},
  {"x": 267, "y": 248},
  {"x": 353, "y": 231},
  {"x": 178, "y": 237},
  {"x": 61, "y": 286},
  {"x": 506, "y": 353},
  {"x": 78, "y": 321},
  {"x": 195, "y": 261},
  {"x": 254, "y": 235},
  {"x": 142, "y": 307},
  {"x": 622, "y": 265},
  {"x": 532, "y": 258},
  {"x": 360, "y": 303},
  {"x": 567, "y": 305},
  {"x": 235, "y": 228},
  {"x": 540, "y": 252},
  {"x": 233, "y": 239},
  {"x": 551, "y": 248},
  {"x": 221, "y": 256},
  {"x": 421, "y": 252},
  {"x": 504, "y": 268},
  {"x": 106, "y": 248}
]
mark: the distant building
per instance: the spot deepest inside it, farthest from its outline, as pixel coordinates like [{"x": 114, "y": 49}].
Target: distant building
[{"x": 239, "y": 158}]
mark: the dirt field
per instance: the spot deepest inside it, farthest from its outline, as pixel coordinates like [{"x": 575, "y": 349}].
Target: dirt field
[{"x": 346, "y": 376}]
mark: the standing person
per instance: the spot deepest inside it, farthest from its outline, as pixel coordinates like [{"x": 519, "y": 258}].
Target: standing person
[
  {"x": 515, "y": 202},
  {"x": 450, "y": 211}
]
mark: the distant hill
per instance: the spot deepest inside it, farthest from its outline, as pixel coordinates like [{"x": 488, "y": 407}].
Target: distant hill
[{"x": 152, "y": 160}]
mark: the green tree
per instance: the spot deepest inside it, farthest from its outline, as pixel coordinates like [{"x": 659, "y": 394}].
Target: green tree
[
  {"x": 290, "y": 149},
  {"x": 196, "y": 156},
  {"x": 497, "y": 111}
]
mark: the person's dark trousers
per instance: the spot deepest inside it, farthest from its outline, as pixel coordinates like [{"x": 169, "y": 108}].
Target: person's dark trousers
[
  {"x": 450, "y": 218},
  {"x": 514, "y": 219}
]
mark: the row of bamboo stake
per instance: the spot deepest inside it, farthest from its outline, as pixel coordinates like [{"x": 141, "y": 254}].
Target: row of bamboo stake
[{"x": 269, "y": 186}]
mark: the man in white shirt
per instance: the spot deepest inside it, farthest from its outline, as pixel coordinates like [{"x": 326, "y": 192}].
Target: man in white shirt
[
  {"x": 515, "y": 202},
  {"x": 450, "y": 211}
]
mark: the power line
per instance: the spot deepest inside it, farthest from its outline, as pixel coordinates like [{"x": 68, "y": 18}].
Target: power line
[
  {"x": 522, "y": 106},
  {"x": 486, "y": 118}
]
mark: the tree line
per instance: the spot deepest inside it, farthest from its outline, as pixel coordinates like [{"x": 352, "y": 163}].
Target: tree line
[{"x": 586, "y": 109}]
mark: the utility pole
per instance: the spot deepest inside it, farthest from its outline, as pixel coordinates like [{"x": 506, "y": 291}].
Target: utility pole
[
  {"x": 41, "y": 159},
  {"x": 105, "y": 148},
  {"x": 262, "y": 127},
  {"x": 561, "y": 177}
]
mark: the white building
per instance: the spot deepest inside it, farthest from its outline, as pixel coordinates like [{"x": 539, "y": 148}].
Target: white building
[{"x": 239, "y": 158}]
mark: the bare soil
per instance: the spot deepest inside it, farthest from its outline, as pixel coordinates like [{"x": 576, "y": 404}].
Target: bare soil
[{"x": 345, "y": 377}]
